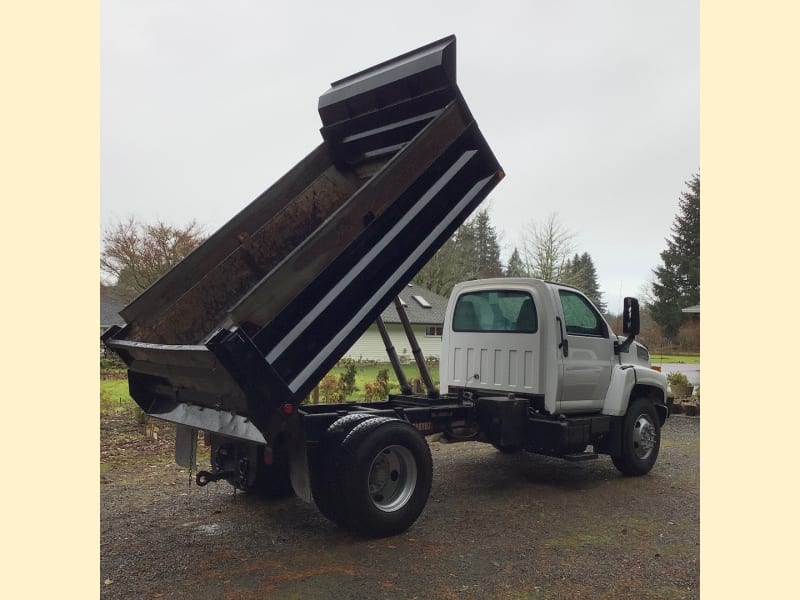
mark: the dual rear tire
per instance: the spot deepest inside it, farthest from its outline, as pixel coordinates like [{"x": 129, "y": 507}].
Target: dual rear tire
[{"x": 372, "y": 475}]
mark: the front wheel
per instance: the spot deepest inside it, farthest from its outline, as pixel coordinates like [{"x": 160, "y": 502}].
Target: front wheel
[{"x": 641, "y": 439}]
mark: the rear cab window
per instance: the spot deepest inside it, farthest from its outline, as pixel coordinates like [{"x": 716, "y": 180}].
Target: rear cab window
[{"x": 495, "y": 310}]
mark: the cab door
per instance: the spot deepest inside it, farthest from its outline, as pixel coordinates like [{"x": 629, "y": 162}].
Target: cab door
[{"x": 588, "y": 355}]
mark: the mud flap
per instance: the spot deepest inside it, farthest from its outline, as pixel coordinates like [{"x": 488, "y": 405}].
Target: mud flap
[
  {"x": 186, "y": 446},
  {"x": 298, "y": 459}
]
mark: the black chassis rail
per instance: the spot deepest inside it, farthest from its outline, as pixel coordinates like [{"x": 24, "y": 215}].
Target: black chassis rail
[
  {"x": 517, "y": 418},
  {"x": 428, "y": 415}
]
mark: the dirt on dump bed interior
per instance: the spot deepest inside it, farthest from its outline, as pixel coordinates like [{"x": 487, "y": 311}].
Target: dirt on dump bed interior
[
  {"x": 203, "y": 306},
  {"x": 497, "y": 526}
]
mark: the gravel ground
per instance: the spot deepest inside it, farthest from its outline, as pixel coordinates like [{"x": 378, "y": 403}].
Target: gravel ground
[{"x": 496, "y": 526}]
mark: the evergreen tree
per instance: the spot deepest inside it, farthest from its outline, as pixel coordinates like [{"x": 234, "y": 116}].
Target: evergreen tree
[
  {"x": 678, "y": 278},
  {"x": 487, "y": 249},
  {"x": 579, "y": 271},
  {"x": 472, "y": 252},
  {"x": 464, "y": 263},
  {"x": 571, "y": 273},
  {"x": 439, "y": 274},
  {"x": 516, "y": 268}
]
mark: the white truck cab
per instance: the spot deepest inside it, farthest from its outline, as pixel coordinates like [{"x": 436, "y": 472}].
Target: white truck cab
[{"x": 548, "y": 343}]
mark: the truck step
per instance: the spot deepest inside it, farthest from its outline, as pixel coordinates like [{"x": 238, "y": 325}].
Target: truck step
[{"x": 580, "y": 456}]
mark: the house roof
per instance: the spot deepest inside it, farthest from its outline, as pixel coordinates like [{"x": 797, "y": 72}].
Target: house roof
[
  {"x": 416, "y": 298},
  {"x": 692, "y": 309},
  {"x": 109, "y": 309}
]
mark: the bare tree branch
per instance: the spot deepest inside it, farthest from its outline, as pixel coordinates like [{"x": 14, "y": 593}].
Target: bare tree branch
[
  {"x": 136, "y": 254},
  {"x": 546, "y": 247}
]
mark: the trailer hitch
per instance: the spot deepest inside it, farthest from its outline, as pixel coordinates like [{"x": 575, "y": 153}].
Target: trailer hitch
[{"x": 204, "y": 477}]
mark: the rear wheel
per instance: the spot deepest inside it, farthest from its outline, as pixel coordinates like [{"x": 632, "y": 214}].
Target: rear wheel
[
  {"x": 641, "y": 439},
  {"x": 324, "y": 465},
  {"x": 385, "y": 473}
]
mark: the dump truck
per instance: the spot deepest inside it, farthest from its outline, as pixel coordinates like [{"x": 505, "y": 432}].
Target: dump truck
[{"x": 233, "y": 339}]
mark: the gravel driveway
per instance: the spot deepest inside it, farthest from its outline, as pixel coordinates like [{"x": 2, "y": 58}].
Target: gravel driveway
[{"x": 496, "y": 526}]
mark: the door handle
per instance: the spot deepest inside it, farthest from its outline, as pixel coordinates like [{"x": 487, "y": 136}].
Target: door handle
[{"x": 564, "y": 345}]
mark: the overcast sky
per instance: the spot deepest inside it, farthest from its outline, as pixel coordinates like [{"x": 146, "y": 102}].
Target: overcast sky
[{"x": 592, "y": 107}]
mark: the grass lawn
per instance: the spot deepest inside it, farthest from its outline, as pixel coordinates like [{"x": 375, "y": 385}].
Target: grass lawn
[
  {"x": 114, "y": 396},
  {"x": 688, "y": 359}
]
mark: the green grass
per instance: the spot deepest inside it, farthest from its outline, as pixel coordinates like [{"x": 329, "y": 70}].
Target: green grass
[
  {"x": 114, "y": 396},
  {"x": 689, "y": 359}
]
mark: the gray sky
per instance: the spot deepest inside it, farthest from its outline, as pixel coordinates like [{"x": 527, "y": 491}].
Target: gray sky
[{"x": 592, "y": 107}]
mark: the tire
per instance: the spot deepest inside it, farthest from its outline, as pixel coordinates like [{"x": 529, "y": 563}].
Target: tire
[
  {"x": 641, "y": 439},
  {"x": 324, "y": 461},
  {"x": 384, "y": 474}
]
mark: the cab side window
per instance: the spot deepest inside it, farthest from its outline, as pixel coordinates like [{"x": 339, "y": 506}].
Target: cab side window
[{"x": 580, "y": 317}]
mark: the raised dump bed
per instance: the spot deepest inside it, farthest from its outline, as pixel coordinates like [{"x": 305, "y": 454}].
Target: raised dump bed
[{"x": 250, "y": 322}]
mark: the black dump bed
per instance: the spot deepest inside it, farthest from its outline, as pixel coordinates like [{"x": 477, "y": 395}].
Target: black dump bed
[{"x": 258, "y": 314}]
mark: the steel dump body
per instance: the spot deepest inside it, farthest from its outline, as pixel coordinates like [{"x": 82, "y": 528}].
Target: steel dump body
[{"x": 257, "y": 315}]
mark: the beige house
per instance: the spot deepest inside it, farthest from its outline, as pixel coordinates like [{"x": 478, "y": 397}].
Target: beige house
[{"x": 425, "y": 311}]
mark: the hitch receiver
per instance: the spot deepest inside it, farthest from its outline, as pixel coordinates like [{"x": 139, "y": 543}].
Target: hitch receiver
[{"x": 204, "y": 477}]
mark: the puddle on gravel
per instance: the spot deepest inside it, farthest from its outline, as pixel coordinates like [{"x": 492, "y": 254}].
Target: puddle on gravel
[{"x": 210, "y": 529}]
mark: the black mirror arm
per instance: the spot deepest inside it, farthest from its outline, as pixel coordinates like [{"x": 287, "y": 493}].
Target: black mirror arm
[{"x": 624, "y": 346}]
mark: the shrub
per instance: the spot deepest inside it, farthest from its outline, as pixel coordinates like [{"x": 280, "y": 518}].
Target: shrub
[
  {"x": 330, "y": 390},
  {"x": 347, "y": 379},
  {"x": 379, "y": 388},
  {"x": 677, "y": 379},
  {"x": 373, "y": 391},
  {"x": 688, "y": 337},
  {"x": 679, "y": 384},
  {"x": 111, "y": 362}
]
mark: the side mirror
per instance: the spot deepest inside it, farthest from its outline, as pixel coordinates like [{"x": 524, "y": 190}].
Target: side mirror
[{"x": 630, "y": 316}]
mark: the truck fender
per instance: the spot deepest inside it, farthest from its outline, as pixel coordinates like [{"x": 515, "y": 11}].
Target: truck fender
[{"x": 623, "y": 379}]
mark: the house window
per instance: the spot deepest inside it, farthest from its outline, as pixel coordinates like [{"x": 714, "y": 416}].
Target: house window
[{"x": 433, "y": 332}]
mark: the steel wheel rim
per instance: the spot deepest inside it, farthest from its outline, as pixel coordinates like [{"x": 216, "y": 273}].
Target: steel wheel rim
[
  {"x": 644, "y": 437},
  {"x": 392, "y": 478}
]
